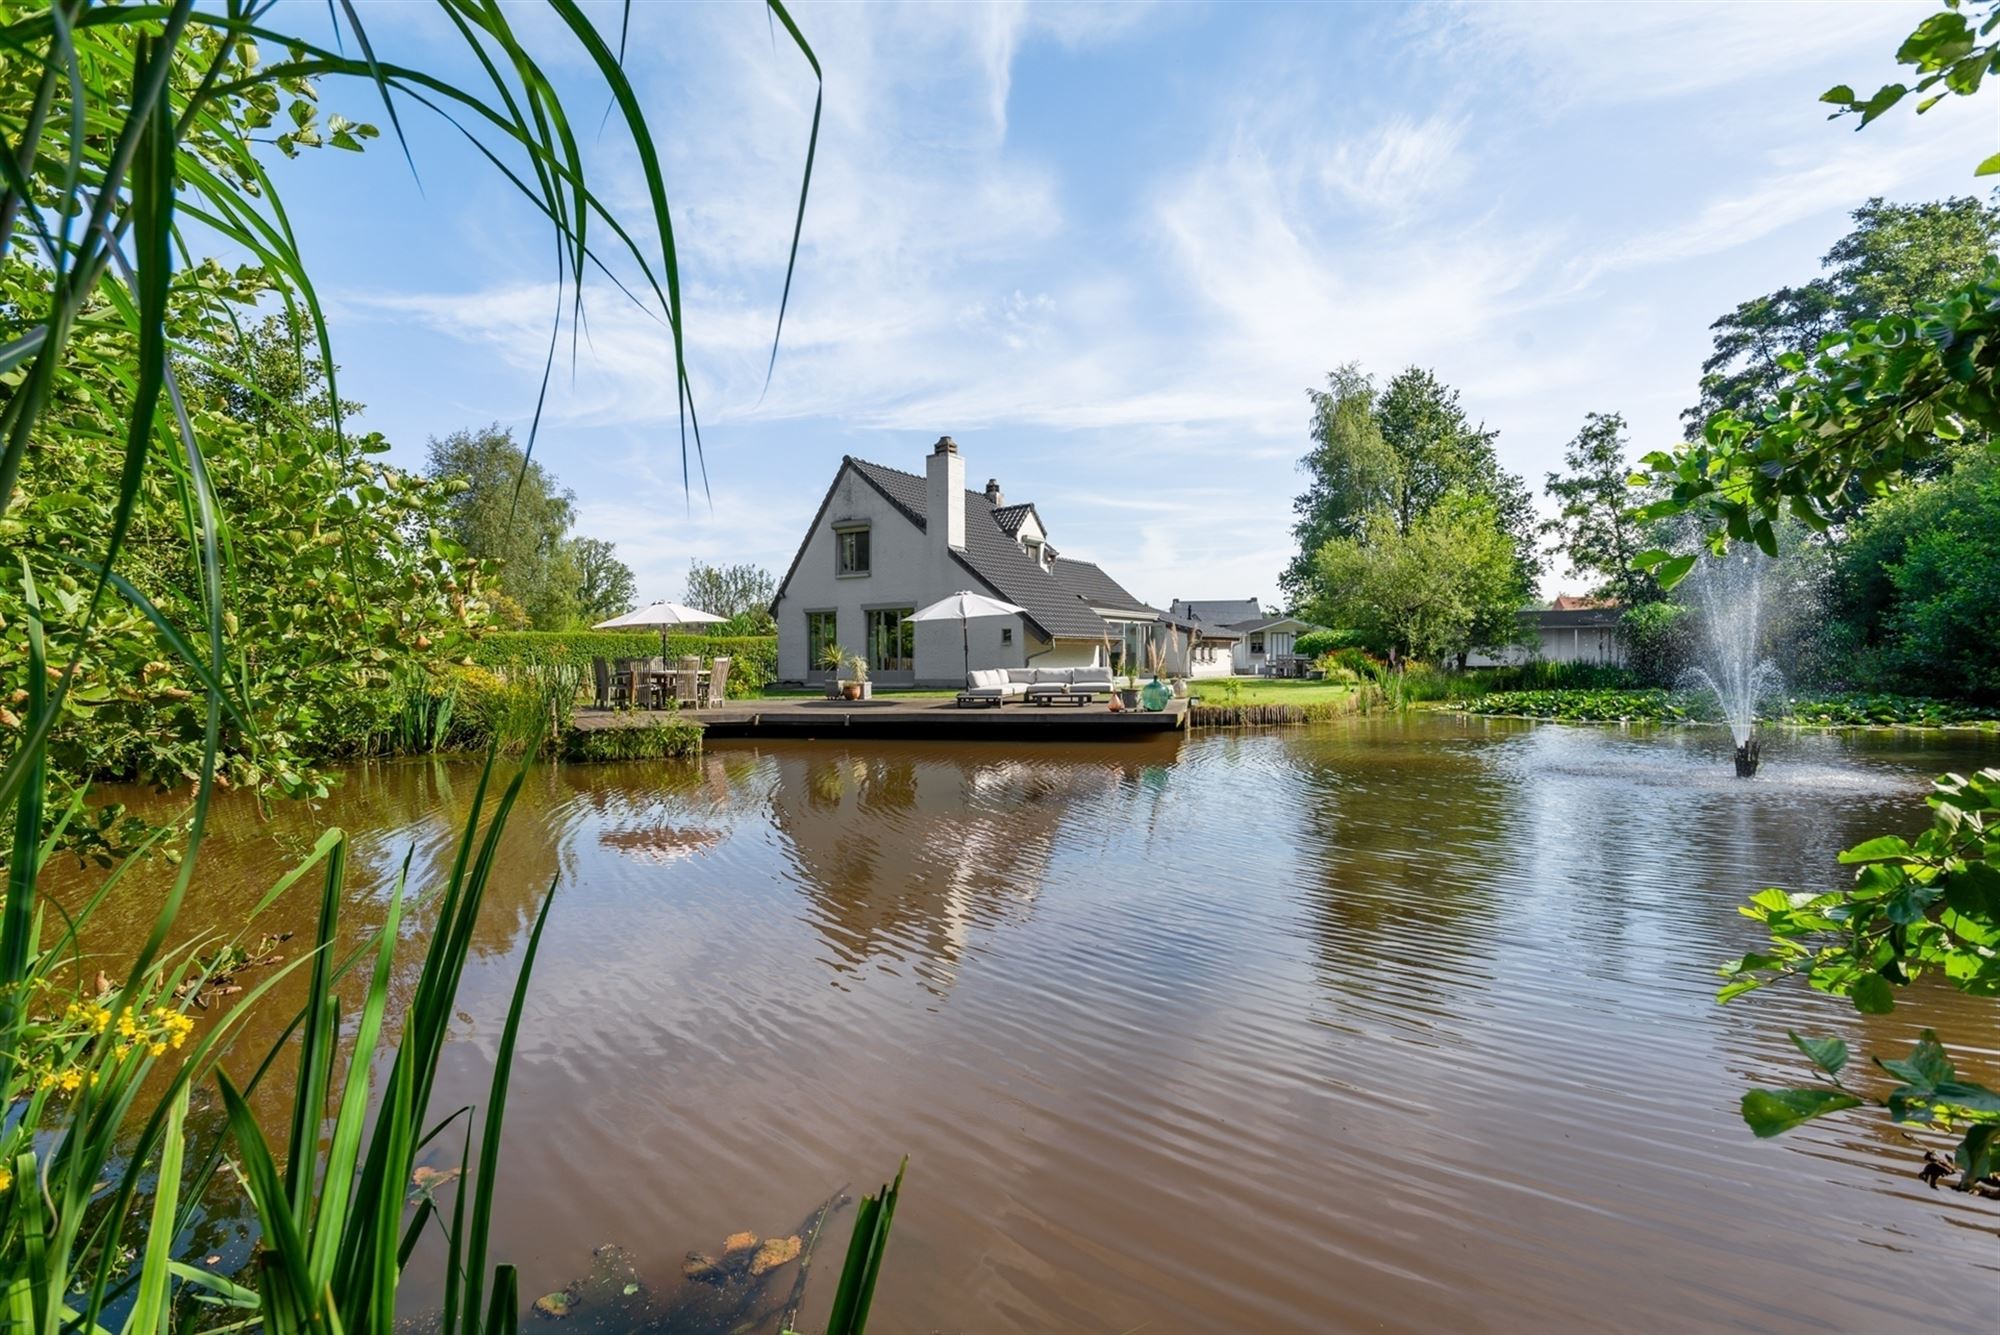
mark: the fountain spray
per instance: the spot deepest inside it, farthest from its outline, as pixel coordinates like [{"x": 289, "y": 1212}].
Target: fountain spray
[{"x": 1731, "y": 589}]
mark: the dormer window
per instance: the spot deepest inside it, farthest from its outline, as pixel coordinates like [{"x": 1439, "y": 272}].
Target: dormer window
[{"x": 1033, "y": 547}]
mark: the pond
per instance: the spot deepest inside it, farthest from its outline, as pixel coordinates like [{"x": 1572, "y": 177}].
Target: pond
[{"x": 1382, "y": 1023}]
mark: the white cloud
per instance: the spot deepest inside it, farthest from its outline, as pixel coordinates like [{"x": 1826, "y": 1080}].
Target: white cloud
[{"x": 1513, "y": 231}]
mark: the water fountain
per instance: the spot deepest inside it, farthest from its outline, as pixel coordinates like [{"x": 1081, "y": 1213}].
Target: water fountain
[{"x": 1731, "y": 667}]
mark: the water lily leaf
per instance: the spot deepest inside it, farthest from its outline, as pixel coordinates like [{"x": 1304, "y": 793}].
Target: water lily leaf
[{"x": 556, "y": 1305}]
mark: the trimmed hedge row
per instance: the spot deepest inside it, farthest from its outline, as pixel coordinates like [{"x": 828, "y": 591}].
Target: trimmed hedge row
[{"x": 753, "y": 658}]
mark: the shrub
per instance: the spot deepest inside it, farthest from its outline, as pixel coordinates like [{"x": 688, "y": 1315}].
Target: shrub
[
  {"x": 675, "y": 739},
  {"x": 1659, "y": 642},
  {"x": 1319, "y": 643}
]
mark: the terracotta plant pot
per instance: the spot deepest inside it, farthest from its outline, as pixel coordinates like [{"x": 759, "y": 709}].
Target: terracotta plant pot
[
  {"x": 850, "y": 690},
  {"x": 1116, "y": 705}
]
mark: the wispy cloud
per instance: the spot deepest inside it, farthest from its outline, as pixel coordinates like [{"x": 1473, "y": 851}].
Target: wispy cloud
[{"x": 1547, "y": 203}]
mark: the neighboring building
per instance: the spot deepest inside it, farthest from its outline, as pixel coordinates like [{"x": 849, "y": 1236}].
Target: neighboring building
[
  {"x": 1569, "y": 630},
  {"x": 1255, "y": 639},
  {"x": 886, "y": 543}
]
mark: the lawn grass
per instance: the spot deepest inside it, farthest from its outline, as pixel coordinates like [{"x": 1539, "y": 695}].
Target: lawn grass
[{"x": 1268, "y": 691}]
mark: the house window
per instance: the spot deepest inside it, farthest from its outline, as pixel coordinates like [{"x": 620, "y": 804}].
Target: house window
[
  {"x": 851, "y": 551},
  {"x": 1006, "y": 635},
  {"x": 822, "y": 633},
  {"x": 892, "y": 639},
  {"x": 1256, "y": 644},
  {"x": 1130, "y": 647}
]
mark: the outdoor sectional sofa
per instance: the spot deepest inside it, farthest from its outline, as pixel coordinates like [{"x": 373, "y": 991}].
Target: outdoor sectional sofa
[{"x": 996, "y": 686}]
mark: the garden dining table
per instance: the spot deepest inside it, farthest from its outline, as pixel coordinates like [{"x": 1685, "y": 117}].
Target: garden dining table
[{"x": 641, "y": 680}]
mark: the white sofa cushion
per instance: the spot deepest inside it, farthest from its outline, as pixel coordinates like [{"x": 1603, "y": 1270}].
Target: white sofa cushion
[{"x": 986, "y": 678}]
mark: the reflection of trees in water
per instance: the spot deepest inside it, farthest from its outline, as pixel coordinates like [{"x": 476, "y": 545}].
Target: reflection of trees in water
[
  {"x": 1394, "y": 881},
  {"x": 903, "y": 854}
]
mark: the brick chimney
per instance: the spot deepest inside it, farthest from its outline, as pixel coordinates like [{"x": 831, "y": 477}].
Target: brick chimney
[
  {"x": 993, "y": 496},
  {"x": 944, "y": 495}
]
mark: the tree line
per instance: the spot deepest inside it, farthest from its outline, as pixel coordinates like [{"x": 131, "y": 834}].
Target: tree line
[{"x": 1414, "y": 539}]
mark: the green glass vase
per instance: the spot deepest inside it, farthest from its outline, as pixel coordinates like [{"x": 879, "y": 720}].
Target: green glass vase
[{"x": 1154, "y": 695}]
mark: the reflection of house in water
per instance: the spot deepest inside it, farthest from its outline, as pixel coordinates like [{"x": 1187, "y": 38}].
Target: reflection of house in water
[{"x": 903, "y": 856}]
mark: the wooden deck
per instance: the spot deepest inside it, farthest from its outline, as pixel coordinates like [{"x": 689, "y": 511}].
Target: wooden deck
[{"x": 813, "y": 717}]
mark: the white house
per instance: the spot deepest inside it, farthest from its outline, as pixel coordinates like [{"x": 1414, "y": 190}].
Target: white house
[
  {"x": 886, "y": 543},
  {"x": 1572, "y": 630},
  {"x": 1255, "y": 639}
]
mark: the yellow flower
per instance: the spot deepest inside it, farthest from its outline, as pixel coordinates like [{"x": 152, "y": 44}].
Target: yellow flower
[
  {"x": 70, "y": 1080},
  {"x": 6, "y": 1179},
  {"x": 158, "y": 1048}
]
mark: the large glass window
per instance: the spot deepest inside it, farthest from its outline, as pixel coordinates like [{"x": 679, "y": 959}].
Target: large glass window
[
  {"x": 822, "y": 633},
  {"x": 1129, "y": 649},
  {"x": 851, "y": 545},
  {"x": 892, "y": 639}
]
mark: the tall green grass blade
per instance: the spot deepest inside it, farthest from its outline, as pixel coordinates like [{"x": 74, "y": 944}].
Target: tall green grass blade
[
  {"x": 805, "y": 183},
  {"x": 865, "y": 1250},
  {"x": 496, "y": 1111},
  {"x": 151, "y": 1308}
]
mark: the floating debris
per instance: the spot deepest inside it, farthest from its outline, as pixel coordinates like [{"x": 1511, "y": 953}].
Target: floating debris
[
  {"x": 774, "y": 1253},
  {"x": 555, "y": 1304}
]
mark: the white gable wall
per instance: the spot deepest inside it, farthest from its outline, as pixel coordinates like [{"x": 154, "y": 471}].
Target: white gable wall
[{"x": 905, "y": 570}]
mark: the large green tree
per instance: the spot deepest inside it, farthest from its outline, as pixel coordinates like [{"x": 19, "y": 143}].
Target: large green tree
[
  {"x": 510, "y": 511},
  {"x": 1896, "y": 257},
  {"x": 742, "y": 593},
  {"x": 1351, "y": 473},
  {"x": 1448, "y": 584},
  {"x": 605, "y": 587},
  {"x": 1594, "y": 527},
  {"x": 1398, "y": 452}
]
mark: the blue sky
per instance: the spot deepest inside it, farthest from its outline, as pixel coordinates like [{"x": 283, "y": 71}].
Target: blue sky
[{"x": 1107, "y": 249}]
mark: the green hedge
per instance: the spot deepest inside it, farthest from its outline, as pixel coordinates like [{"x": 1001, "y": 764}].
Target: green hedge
[{"x": 753, "y": 658}]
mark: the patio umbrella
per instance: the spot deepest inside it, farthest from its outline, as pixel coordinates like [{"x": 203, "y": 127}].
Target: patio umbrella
[
  {"x": 661, "y": 615},
  {"x": 962, "y": 607}
]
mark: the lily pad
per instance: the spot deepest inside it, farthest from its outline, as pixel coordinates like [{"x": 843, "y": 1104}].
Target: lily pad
[{"x": 555, "y": 1304}]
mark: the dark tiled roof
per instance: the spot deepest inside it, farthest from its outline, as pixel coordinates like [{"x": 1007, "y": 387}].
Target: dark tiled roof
[
  {"x": 1219, "y": 611},
  {"x": 1009, "y": 517},
  {"x": 1207, "y": 631},
  {"x": 1089, "y": 582},
  {"x": 1568, "y": 618},
  {"x": 996, "y": 558}
]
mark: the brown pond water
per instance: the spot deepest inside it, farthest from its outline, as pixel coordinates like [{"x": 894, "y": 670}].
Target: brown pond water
[{"x": 1372, "y": 1025}]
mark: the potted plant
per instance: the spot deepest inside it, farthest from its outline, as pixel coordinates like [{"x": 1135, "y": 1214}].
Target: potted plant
[
  {"x": 858, "y": 688},
  {"x": 1126, "y": 689},
  {"x": 831, "y": 656}
]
